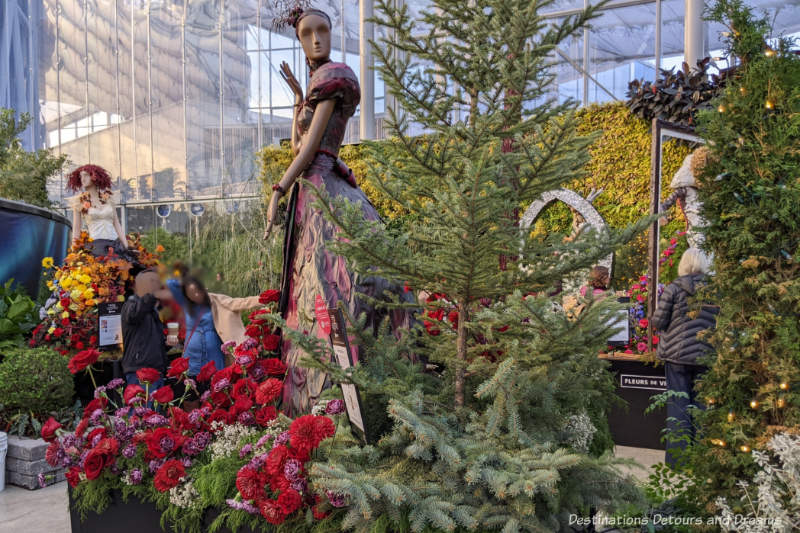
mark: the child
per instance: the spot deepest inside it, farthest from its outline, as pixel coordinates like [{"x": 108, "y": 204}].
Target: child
[{"x": 142, "y": 331}]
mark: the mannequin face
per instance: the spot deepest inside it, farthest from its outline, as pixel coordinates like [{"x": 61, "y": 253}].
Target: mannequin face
[
  {"x": 86, "y": 180},
  {"x": 315, "y": 37},
  {"x": 194, "y": 293}
]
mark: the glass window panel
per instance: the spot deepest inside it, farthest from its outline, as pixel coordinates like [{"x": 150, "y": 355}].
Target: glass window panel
[{"x": 280, "y": 92}]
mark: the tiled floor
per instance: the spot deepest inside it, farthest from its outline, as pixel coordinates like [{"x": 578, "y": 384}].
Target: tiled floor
[{"x": 45, "y": 510}]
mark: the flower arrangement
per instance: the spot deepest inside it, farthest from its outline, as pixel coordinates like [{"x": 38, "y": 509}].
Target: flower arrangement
[
  {"x": 78, "y": 286},
  {"x": 142, "y": 441},
  {"x": 670, "y": 250},
  {"x": 637, "y": 312}
]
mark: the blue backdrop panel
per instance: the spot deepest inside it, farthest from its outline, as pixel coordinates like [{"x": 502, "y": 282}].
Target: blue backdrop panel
[{"x": 27, "y": 235}]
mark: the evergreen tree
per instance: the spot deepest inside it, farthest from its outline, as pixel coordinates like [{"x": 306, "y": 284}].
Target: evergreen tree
[
  {"x": 751, "y": 195},
  {"x": 499, "y": 436},
  {"x": 23, "y": 175}
]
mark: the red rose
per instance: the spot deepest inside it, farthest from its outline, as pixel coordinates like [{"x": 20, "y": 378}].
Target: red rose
[
  {"x": 93, "y": 340},
  {"x": 271, "y": 342},
  {"x": 178, "y": 367},
  {"x": 265, "y": 415},
  {"x": 109, "y": 448},
  {"x": 206, "y": 372},
  {"x": 252, "y": 331},
  {"x": 65, "y": 321},
  {"x": 273, "y": 366},
  {"x": 643, "y": 323},
  {"x": 148, "y": 375},
  {"x": 249, "y": 483},
  {"x": 94, "y": 464},
  {"x": 73, "y": 476},
  {"x": 163, "y": 441},
  {"x": 244, "y": 387},
  {"x": 163, "y": 395},
  {"x": 58, "y": 332},
  {"x": 169, "y": 475},
  {"x": 289, "y": 501},
  {"x": 436, "y": 314},
  {"x": 452, "y": 317},
  {"x": 79, "y": 346},
  {"x": 655, "y": 340},
  {"x": 430, "y": 328},
  {"x": 269, "y": 391},
  {"x": 133, "y": 394},
  {"x": 268, "y": 296},
  {"x": 49, "y": 429},
  {"x": 308, "y": 431},
  {"x": 271, "y": 512},
  {"x": 83, "y": 359}
]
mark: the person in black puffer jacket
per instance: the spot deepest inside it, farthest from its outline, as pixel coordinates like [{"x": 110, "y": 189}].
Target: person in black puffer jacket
[{"x": 679, "y": 347}]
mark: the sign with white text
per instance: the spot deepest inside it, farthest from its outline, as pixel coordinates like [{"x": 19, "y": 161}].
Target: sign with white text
[
  {"x": 109, "y": 324},
  {"x": 341, "y": 349},
  {"x": 632, "y": 381}
]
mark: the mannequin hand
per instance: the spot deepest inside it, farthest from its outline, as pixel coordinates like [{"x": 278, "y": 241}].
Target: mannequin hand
[
  {"x": 663, "y": 221},
  {"x": 272, "y": 213},
  {"x": 288, "y": 77},
  {"x": 124, "y": 243}
]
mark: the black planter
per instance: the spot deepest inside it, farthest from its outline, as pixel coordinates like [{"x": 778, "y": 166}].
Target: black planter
[
  {"x": 132, "y": 516},
  {"x": 103, "y": 372},
  {"x": 636, "y": 383}
]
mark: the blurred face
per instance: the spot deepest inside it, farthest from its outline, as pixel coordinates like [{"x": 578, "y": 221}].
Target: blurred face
[
  {"x": 194, "y": 293},
  {"x": 86, "y": 179},
  {"x": 315, "y": 37},
  {"x": 147, "y": 283}
]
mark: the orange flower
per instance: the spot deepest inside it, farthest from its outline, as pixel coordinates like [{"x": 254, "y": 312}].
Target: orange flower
[{"x": 159, "y": 248}]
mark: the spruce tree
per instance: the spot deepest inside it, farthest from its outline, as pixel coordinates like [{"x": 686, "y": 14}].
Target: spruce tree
[
  {"x": 509, "y": 431},
  {"x": 751, "y": 195}
]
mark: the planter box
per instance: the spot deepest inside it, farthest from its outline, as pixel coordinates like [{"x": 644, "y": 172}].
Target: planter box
[
  {"x": 25, "y": 461},
  {"x": 133, "y": 516},
  {"x": 636, "y": 383}
]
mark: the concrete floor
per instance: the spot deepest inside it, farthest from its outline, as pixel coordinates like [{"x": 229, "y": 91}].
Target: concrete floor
[
  {"x": 45, "y": 510},
  {"x": 34, "y": 511}
]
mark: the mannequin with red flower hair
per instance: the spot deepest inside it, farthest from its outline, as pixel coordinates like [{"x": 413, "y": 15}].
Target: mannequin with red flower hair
[{"x": 96, "y": 205}]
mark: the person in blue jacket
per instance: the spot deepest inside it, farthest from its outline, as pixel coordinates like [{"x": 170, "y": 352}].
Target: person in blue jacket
[{"x": 203, "y": 343}]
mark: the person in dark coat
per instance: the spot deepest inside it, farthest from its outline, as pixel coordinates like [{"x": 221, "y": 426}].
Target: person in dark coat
[
  {"x": 144, "y": 342},
  {"x": 679, "y": 346}
]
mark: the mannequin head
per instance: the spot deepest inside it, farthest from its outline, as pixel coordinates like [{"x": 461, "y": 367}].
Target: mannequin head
[
  {"x": 313, "y": 29},
  {"x": 89, "y": 176}
]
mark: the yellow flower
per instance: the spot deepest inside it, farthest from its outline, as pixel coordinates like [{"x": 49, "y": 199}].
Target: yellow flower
[
  {"x": 51, "y": 311},
  {"x": 50, "y": 285},
  {"x": 74, "y": 306},
  {"x": 65, "y": 314},
  {"x": 47, "y": 262},
  {"x": 85, "y": 279},
  {"x": 120, "y": 298},
  {"x": 75, "y": 294},
  {"x": 79, "y": 288},
  {"x": 88, "y": 294},
  {"x": 51, "y": 330},
  {"x": 66, "y": 283},
  {"x": 58, "y": 306}
]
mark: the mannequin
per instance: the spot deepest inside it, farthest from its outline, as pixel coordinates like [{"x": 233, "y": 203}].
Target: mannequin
[
  {"x": 96, "y": 205},
  {"x": 684, "y": 184},
  {"x": 310, "y": 270}
]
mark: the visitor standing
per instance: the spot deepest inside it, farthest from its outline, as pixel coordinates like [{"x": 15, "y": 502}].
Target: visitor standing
[
  {"x": 679, "y": 345},
  {"x": 144, "y": 343}
]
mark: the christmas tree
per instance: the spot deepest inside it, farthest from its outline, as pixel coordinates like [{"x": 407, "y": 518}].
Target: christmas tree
[
  {"x": 751, "y": 195},
  {"x": 508, "y": 431}
]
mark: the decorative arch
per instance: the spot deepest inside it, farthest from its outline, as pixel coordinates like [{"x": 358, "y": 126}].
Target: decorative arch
[{"x": 580, "y": 204}]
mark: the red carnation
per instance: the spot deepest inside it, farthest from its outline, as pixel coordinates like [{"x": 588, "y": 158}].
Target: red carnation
[
  {"x": 49, "y": 429},
  {"x": 289, "y": 501},
  {"x": 219, "y": 415},
  {"x": 108, "y": 447},
  {"x": 452, "y": 316},
  {"x": 249, "y": 483},
  {"x": 58, "y": 332},
  {"x": 101, "y": 432},
  {"x": 242, "y": 404},
  {"x": 244, "y": 387},
  {"x": 65, "y": 322},
  {"x": 276, "y": 460},
  {"x": 180, "y": 418},
  {"x": 252, "y": 331},
  {"x": 430, "y": 328},
  {"x": 269, "y": 391},
  {"x": 169, "y": 475},
  {"x": 206, "y": 372},
  {"x": 163, "y": 395},
  {"x": 73, "y": 476},
  {"x": 273, "y": 366},
  {"x": 81, "y": 427},
  {"x": 265, "y": 415},
  {"x": 163, "y": 441},
  {"x": 51, "y": 454},
  {"x": 271, "y": 342},
  {"x": 133, "y": 394},
  {"x": 83, "y": 359},
  {"x": 178, "y": 367},
  {"x": 148, "y": 375},
  {"x": 268, "y": 296},
  {"x": 308, "y": 431},
  {"x": 271, "y": 512},
  {"x": 97, "y": 403}
]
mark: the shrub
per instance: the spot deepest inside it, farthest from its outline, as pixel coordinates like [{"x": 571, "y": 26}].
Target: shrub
[
  {"x": 35, "y": 380},
  {"x": 17, "y": 314}
]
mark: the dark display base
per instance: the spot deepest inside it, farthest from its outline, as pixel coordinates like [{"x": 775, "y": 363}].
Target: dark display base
[
  {"x": 636, "y": 382},
  {"x": 132, "y": 516},
  {"x": 103, "y": 372}
]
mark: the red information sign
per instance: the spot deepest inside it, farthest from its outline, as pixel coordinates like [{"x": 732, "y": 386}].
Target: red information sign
[{"x": 321, "y": 310}]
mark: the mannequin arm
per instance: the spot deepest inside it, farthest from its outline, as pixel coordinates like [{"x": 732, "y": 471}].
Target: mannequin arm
[
  {"x": 118, "y": 227},
  {"x": 308, "y": 150},
  {"x": 76, "y": 223}
]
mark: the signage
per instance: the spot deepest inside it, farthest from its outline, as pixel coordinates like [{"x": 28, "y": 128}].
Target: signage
[
  {"x": 633, "y": 381},
  {"x": 323, "y": 316},
  {"x": 109, "y": 324},
  {"x": 341, "y": 349}
]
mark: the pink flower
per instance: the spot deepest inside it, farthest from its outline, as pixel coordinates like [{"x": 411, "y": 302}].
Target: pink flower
[
  {"x": 639, "y": 298},
  {"x": 636, "y": 287},
  {"x": 643, "y": 323},
  {"x": 641, "y": 347}
]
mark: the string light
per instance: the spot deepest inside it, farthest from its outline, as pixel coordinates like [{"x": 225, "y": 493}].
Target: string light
[
  {"x": 781, "y": 403},
  {"x": 742, "y": 90},
  {"x": 783, "y": 386},
  {"x": 753, "y": 404},
  {"x": 710, "y": 401},
  {"x": 769, "y": 52},
  {"x": 721, "y": 108},
  {"x": 730, "y": 416},
  {"x": 769, "y": 105},
  {"x": 745, "y": 449}
]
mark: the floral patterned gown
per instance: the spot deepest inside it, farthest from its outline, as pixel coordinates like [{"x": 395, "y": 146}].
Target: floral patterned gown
[{"x": 309, "y": 268}]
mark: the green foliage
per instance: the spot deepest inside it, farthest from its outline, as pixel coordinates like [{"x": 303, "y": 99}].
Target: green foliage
[
  {"x": 676, "y": 96},
  {"x": 35, "y": 379},
  {"x": 23, "y": 175},
  {"x": 751, "y": 192},
  {"x": 18, "y": 315}
]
